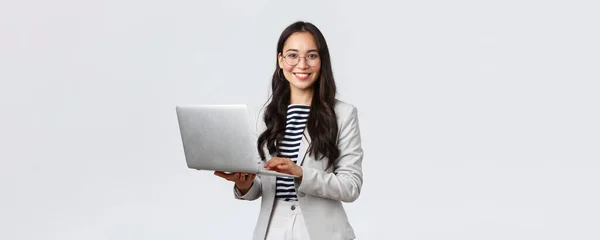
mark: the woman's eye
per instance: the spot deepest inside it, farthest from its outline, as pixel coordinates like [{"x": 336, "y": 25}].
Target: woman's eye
[
  {"x": 313, "y": 56},
  {"x": 292, "y": 55}
]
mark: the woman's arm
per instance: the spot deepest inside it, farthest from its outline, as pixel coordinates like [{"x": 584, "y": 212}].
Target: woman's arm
[
  {"x": 345, "y": 182},
  {"x": 253, "y": 193}
]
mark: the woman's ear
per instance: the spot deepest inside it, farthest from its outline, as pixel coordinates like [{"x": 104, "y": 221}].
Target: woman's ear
[{"x": 280, "y": 60}]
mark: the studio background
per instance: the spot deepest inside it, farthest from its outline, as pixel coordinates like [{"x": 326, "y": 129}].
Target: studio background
[{"x": 479, "y": 119}]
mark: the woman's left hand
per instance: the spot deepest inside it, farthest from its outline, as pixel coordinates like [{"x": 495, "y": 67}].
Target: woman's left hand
[{"x": 284, "y": 165}]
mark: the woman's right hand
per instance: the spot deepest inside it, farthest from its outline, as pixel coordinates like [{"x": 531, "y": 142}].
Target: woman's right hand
[{"x": 243, "y": 181}]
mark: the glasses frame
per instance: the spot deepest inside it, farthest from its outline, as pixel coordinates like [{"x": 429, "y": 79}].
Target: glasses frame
[{"x": 305, "y": 60}]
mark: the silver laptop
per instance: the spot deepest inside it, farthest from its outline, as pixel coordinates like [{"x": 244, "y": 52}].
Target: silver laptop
[{"x": 219, "y": 138}]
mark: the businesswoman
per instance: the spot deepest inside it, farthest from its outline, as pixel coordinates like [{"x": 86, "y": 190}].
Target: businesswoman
[{"x": 308, "y": 133}]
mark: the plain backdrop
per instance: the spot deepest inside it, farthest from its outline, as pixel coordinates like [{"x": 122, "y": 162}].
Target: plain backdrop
[{"x": 479, "y": 119}]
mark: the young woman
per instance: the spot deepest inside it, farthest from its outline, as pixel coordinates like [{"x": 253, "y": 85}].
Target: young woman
[{"x": 308, "y": 133}]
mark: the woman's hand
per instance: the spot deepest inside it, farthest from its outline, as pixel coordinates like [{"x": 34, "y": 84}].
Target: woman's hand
[
  {"x": 284, "y": 165},
  {"x": 243, "y": 181}
]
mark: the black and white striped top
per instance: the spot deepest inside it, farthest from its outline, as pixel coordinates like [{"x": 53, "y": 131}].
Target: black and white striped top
[{"x": 297, "y": 116}]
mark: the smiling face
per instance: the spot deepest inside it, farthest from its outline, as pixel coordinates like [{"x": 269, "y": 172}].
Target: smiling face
[{"x": 300, "y": 61}]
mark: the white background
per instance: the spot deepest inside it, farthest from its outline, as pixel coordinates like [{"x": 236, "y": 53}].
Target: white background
[{"x": 479, "y": 119}]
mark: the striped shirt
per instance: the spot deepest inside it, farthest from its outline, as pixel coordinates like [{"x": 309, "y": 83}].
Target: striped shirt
[{"x": 297, "y": 115}]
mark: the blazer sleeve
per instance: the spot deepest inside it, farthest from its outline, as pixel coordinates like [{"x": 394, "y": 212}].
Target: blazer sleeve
[
  {"x": 345, "y": 182},
  {"x": 254, "y": 193},
  {"x": 256, "y": 189}
]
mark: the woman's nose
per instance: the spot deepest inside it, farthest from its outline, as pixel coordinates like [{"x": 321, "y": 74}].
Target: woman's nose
[{"x": 302, "y": 63}]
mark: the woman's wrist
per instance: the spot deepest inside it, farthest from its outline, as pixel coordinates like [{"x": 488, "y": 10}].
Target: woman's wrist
[
  {"x": 298, "y": 172},
  {"x": 243, "y": 189}
]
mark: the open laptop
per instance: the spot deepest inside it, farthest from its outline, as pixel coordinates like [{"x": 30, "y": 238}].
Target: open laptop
[{"x": 219, "y": 138}]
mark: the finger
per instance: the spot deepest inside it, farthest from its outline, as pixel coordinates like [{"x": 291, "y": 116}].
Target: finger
[
  {"x": 223, "y": 175},
  {"x": 249, "y": 177},
  {"x": 268, "y": 163},
  {"x": 273, "y": 162},
  {"x": 234, "y": 177},
  {"x": 283, "y": 166},
  {"x": 285, "y": 161},
  {"x": 243, "y": 177},
  {"x": 252, "y": 176}
]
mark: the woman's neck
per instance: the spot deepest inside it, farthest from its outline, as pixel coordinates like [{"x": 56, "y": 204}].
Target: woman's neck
[{"x": 301, "y": 96}]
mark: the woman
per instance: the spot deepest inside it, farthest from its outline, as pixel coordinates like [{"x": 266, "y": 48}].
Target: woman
[{"x": 308, "y": 133}]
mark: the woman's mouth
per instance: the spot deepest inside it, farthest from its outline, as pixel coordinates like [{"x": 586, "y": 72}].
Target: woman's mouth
[{"x": 302, "y": 76}]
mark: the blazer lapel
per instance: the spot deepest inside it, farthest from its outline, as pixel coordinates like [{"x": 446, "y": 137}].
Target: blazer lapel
[{"x": 304, "y": 144}]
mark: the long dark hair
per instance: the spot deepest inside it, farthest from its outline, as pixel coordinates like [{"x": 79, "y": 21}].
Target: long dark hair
[{"x": 321, "y": 124}]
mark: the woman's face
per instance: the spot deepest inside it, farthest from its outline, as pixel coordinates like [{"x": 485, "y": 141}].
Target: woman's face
[{"x": 300, "y": 60}]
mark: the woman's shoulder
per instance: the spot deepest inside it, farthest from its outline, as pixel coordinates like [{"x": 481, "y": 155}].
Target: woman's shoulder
[{"x": 344, "y": 110}]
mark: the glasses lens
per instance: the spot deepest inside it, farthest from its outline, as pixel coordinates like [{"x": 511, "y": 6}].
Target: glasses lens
[{"x": 291, "y": 59}]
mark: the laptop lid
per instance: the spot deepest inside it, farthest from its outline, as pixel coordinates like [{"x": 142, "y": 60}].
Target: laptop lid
[{"x": 217, "y": 138}]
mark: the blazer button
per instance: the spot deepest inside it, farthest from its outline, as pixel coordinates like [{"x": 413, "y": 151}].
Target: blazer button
[{"x": 293, "y": 207}]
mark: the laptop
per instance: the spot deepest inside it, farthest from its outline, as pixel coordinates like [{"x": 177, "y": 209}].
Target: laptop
[{"x": 219, "y": 138}]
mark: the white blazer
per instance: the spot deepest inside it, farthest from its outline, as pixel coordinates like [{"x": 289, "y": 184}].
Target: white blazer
[{"x": 321, "y": 192}]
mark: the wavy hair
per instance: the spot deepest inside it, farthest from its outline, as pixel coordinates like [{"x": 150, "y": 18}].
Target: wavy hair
[{"x": 321, "y": 123}]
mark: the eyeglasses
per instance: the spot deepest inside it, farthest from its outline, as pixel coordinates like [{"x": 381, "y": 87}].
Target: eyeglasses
[{"x": 293, "y": 59}]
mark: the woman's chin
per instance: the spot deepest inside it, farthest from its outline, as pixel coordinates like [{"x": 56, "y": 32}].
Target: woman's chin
[{"x": 302, "y": 85}]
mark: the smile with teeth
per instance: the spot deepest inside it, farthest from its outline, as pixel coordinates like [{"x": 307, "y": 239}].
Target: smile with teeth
[{"x": 302, "y": 76}]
